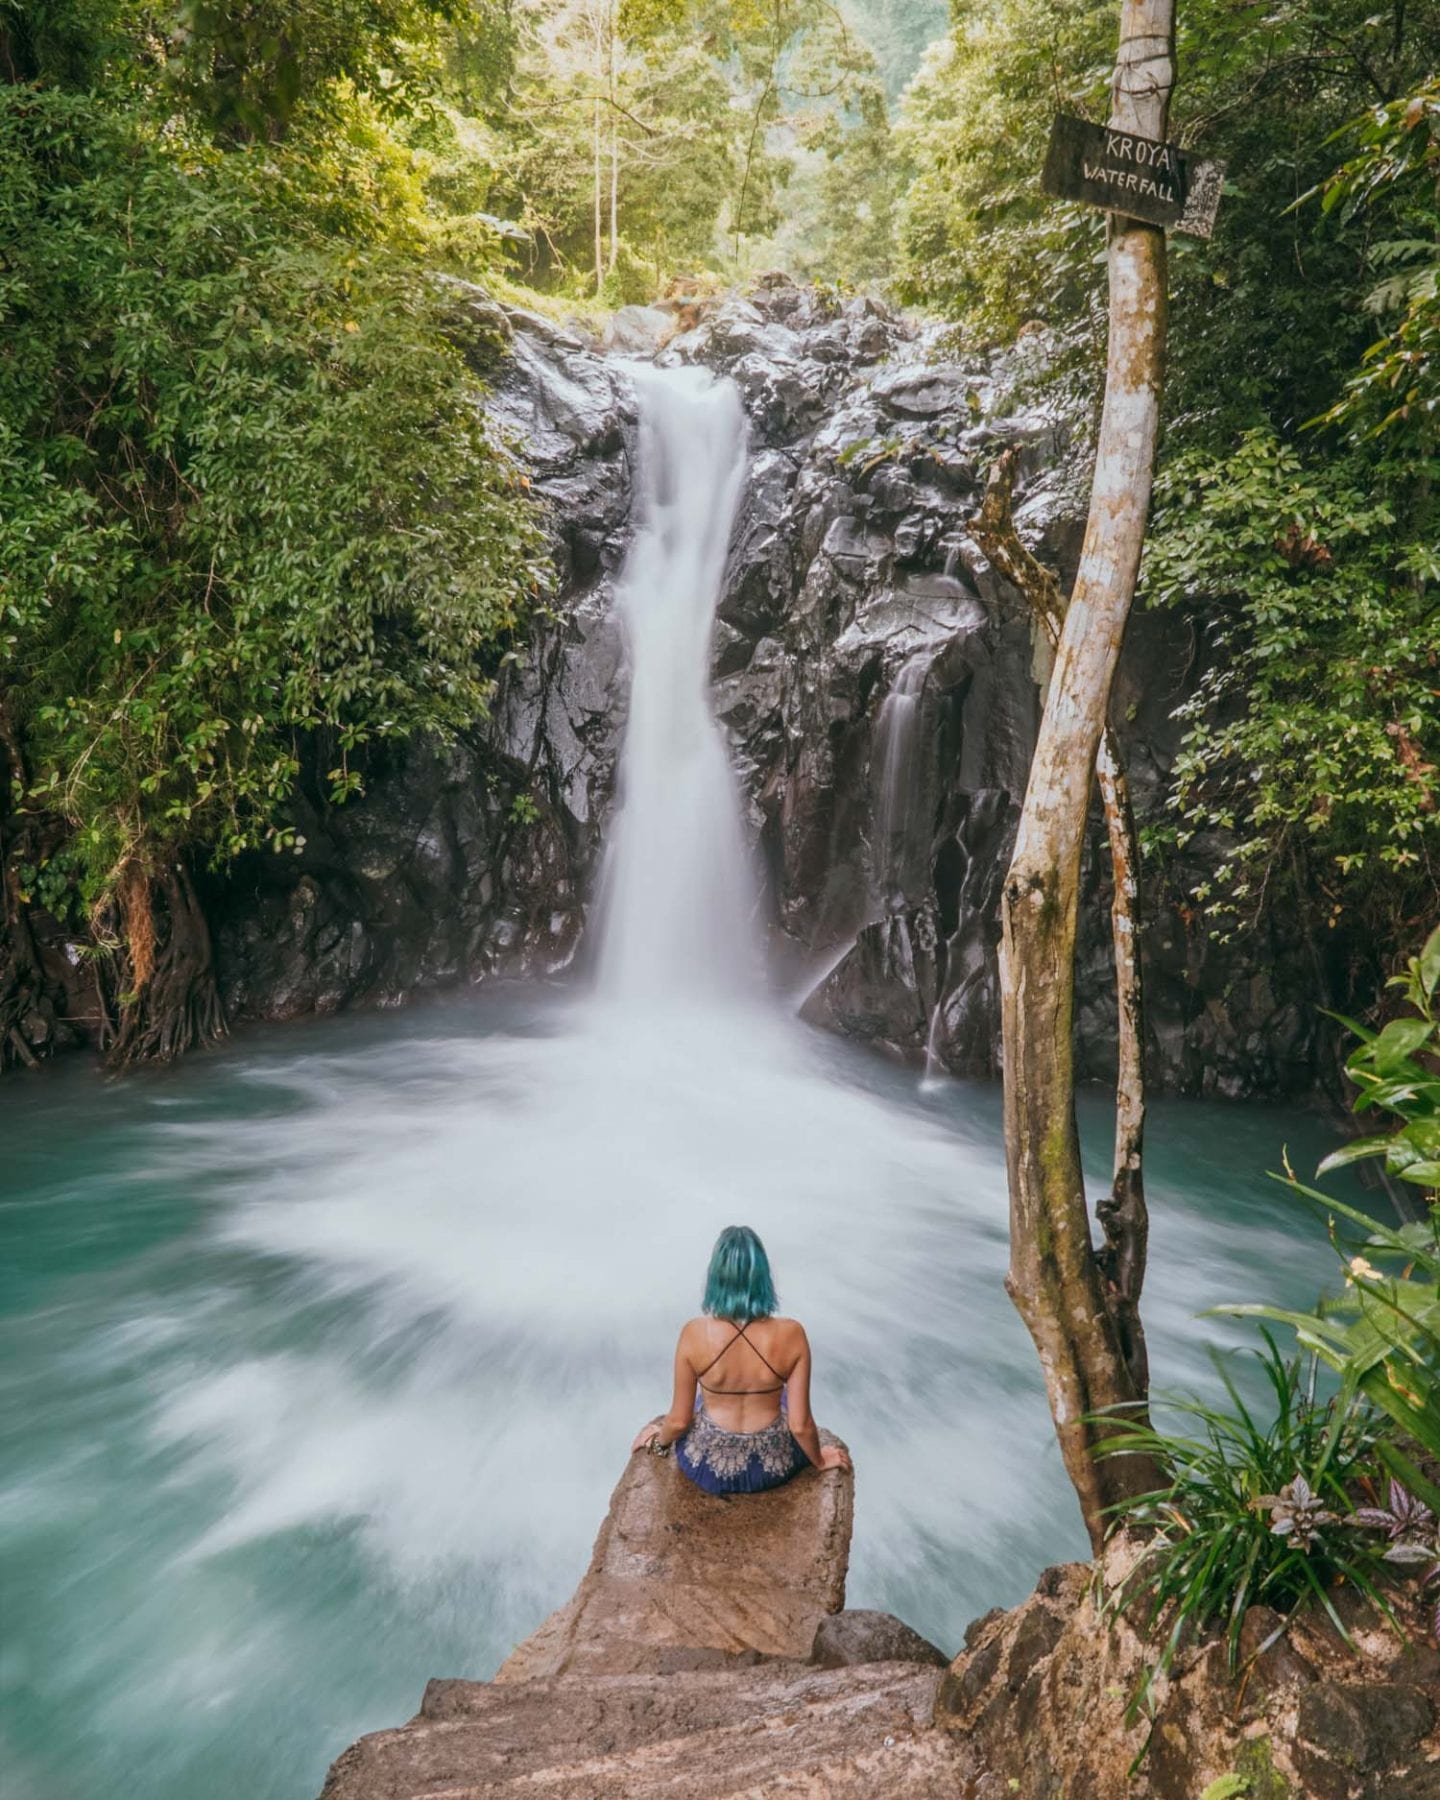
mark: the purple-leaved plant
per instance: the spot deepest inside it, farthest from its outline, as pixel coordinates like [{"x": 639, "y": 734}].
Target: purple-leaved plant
[
  {"x": 1297, "y": 1512},
  {"x": 1414, "y": 1537}
]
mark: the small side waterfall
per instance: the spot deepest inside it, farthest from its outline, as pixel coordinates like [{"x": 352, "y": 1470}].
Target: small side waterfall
[
  {"x": 897, "y": 732},
  {"x": 675, "y": 903}
]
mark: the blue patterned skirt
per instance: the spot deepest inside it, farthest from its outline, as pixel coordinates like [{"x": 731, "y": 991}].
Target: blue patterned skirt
[{"x": 739, "y": 1462}]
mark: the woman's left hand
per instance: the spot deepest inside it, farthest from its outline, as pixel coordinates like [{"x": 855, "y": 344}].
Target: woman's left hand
[{"x": 644, "y": 1435}]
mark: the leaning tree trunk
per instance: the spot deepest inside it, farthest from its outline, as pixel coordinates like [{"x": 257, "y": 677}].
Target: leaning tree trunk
[
  {"x": 1055, "y": 1279},
  {"x": 1123, "y": 1214}
]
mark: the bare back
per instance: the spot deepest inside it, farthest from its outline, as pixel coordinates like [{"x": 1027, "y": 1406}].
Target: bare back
[{"x": 741, "y": 1373}]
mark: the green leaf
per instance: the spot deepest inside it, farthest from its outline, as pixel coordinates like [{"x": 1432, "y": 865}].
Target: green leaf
[
  {"x": 1400, "y": 1039},
  {"x": 1227, "y": 1787},
  {"x": 1355, "y": 1151},
  {"x": 1430, "y": 964}
]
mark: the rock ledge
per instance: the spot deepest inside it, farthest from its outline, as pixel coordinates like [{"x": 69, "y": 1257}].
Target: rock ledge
[
  {"x": 676, "y": 1569},
  {"x": 703, "y": 1654}
]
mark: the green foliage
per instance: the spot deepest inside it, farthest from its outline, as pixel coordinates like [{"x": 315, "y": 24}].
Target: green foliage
[
  {"x": 1396, "y": 1071},
  {"x": 247, "y": 69},
  {"x": 245, "y": 491},
  {"x": 1381, "y": 1333},
  {"x": 1396, "y": 168},
  {"x": 977, "y": 237},
  {"x": 640, "y": 139},
  {"x": 626, "y": 99},
  {"x": 898, "y": 33},
  {"x": 52, "y": 883},
  {"x": 1258, "y": 1512},
  {"x": 1253, "y": 1514},
  {"x": 1266, "y": 318},
  {"x": 1296, "y": 517},
  {"x": 67, "y": 41},
  {"x": 1315, "y": 726},
  {"x": 842, "y": 195},
  {"x": 1254, "y": 1777}
]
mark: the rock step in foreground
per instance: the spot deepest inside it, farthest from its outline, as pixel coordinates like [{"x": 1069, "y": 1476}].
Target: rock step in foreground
[
  {"x": 704, "y": 1653},
  {"x": 769, "y": 1729}
]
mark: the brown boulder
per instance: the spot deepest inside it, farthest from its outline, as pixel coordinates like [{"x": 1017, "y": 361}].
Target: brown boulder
[
  {"x": 1365, "y": 1726},
  {"x": 846, "y": 1639}
]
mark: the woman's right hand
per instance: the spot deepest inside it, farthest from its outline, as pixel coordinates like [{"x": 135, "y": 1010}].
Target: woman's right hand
[{"x": 833, "y": 1457}]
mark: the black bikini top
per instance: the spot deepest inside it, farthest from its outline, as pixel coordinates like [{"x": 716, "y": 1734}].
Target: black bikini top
[{"x": 741, "y": 1333}]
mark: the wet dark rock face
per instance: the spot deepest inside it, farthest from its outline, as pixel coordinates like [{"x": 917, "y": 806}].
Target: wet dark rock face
[
  {"x": 476, "y": 859},
  {"x": 878, "y": 683}
]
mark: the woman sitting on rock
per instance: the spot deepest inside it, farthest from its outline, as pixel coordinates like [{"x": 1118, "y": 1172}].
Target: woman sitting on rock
[{"x": 740, "y": 1417}]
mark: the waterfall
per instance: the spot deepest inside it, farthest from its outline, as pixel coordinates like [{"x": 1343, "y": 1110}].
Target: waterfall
[
  {"x": 675, "y": 899},
  {"x": 896, "y": 739},
  {"x": 323, "y": 1353}
]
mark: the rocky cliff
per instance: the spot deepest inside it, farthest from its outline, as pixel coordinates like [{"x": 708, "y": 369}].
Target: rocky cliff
[
  {"x": 879, "y": 684},
  {"x": 1046, "y": 1699}
]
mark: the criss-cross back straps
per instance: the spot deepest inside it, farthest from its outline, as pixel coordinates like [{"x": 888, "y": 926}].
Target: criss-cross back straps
[{"x": 740, "y": 1332}]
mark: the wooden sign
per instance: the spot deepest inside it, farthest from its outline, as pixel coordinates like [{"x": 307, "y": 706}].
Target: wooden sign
[{"x": 1139, "y": 177}]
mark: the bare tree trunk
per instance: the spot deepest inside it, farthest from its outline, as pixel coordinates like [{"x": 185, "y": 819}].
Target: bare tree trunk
[
  {"x": 1056, "y": 1280},
  {"x": 592, "y": 15},
  {"x": 1123, "y": 1215},
  {"x": 599, "y": 198},
  {"x": 614, "y": 148}
]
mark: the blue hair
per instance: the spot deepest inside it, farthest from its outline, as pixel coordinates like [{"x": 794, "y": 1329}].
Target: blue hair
[{"x": 738, "y": 1283}]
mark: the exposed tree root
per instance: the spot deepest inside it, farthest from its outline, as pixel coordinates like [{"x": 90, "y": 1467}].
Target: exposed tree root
[
  {"x": 154, "y": 993},
  {"x": 27, "y": 1007},
  {"x": 163, "y": 999}
]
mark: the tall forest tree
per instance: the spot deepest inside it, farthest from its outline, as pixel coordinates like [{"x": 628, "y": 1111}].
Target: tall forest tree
[{"x": 1082, "y": 1310}]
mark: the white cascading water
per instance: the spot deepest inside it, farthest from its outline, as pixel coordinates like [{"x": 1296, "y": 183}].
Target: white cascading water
[
  {"x": 897, "y": 732},
  {"x": 676, "y": 900},
  {"x": 332, "y": 1346}
]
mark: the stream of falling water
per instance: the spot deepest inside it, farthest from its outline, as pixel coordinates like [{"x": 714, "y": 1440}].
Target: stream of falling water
[
  {"x": 897, "y": 731},
  {"x": 676, "y": 900},
  {"x": 322, "y": 1354}
]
